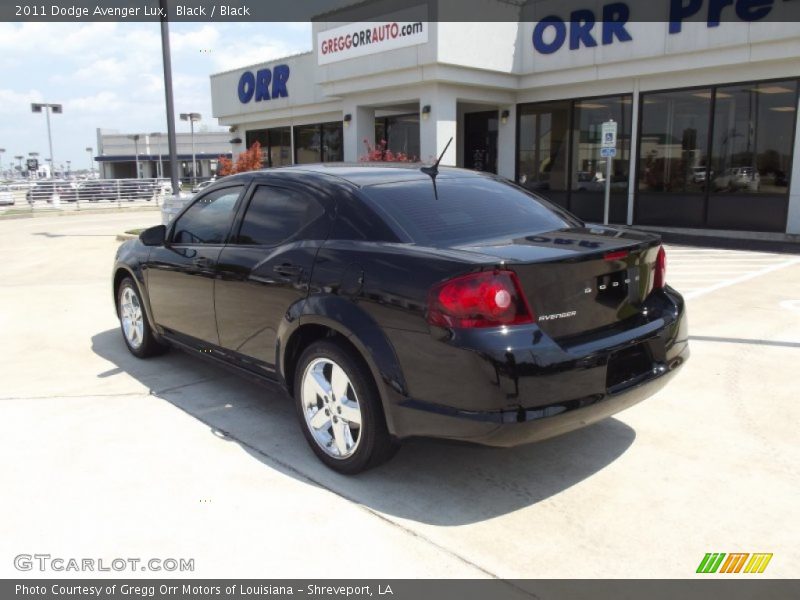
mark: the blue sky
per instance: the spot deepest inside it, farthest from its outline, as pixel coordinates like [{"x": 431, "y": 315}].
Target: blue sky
[{"x": 110, "y": 75}]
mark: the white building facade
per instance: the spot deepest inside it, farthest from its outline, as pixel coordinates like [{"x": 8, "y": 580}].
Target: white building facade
[
  {"x": 706, "y": 112},
  {"x": 119, "y": 154}
]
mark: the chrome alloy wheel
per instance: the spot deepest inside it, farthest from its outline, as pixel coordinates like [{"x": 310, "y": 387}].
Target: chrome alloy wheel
[
  {"x": 331, "y": 408},
  {"x": 132, "y": 318}
]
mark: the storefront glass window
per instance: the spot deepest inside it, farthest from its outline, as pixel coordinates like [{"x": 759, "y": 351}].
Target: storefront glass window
[
  {"x": 262, "y": 137},
  {"x": 559, "y": 153},
  {"x": 275, "y": 145},
  {"x": 543, "y": 139},
  {"x": 401, "y": 133},
  {"x": 588, "y": 170},
  {"x": 674, "y": 141},
  {"x": 738, "y": 181},
  {"x": 318, "y": 143},
  {"x": 307, "y": 144},
  {"x": 332, "y": 142},
  {"x": 752, "y": 146},
  {"x": 280, "y": 147}
]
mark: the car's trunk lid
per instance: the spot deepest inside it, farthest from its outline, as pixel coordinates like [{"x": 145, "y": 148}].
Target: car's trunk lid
[{"x": 580, "y": 279}]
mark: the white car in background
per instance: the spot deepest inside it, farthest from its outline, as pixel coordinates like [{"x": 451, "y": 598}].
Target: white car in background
[
  {"x": 203, "y": 185},
  {"x": 6, "y": 196},
  {"x": 738, "y": 178}
]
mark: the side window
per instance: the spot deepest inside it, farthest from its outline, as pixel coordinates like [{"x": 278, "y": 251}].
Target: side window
[
  {"x": 276, "y": 214},
  {"x": 208, "y": 220}
]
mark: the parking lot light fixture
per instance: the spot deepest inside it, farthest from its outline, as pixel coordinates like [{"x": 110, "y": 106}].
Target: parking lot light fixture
[
  {"x": 19, "y": 158},
  {"x": 91, "y": 160},
  {"x": 47, "y": 108},
  {"x": 192, "y": 117}
]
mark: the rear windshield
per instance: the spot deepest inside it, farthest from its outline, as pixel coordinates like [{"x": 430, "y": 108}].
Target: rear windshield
[{"x": 466, "y": 211}]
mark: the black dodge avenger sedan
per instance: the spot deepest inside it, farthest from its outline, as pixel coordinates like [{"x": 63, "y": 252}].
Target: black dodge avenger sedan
[{"x": 393, "y": 302}]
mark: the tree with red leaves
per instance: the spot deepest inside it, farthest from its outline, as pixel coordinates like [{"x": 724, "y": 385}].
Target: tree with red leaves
[
  {"x": 224, "y": 166},
  {"x": 249, "y": 160},
  {"x": 380, "y": 153}
]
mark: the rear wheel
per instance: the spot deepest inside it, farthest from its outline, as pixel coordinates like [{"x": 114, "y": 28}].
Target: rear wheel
[
  {"x": 133, "y": 321},
  {"x": 339, "y": 409}
]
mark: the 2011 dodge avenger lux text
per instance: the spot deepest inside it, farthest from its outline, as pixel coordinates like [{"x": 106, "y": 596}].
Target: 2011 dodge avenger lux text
[{"x": 393, "y": 302}]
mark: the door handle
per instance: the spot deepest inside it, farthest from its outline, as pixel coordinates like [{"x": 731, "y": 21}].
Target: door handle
[{"x": 288, "y": 270}]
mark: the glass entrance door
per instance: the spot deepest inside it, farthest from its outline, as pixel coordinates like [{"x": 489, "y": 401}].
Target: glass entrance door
[{"x": 480, "y": 141}]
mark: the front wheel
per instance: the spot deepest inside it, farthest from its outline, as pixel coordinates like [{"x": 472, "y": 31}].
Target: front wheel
[
  {"x": 132, "y": 318},
  {"x": 339, "y": 409}
]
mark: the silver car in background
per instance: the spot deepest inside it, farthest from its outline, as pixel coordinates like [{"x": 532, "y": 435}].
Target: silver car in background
[{"x": 6, "y": 196}]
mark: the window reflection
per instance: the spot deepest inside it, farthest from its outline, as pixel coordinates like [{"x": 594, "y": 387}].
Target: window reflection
[
  {"x": 559, "y": 153},
  {"x": 543, "y": 139},
  {"x": 321, "y": 142},
  {"x": 307, "y": 144},
  {"x": 674, "y": 141},
  {"x": 280, "y": 146},
  {"x": 742, "y": 180},
  {"x": 275, "y": 143},
  {"x": 401, "y": 133},
  {"x": 752, "y": 145},
  {"x": 332, "y": 150}
]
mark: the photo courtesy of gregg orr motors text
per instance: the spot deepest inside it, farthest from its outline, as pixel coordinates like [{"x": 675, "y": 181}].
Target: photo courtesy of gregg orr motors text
[{"x": 189, "y": 590}]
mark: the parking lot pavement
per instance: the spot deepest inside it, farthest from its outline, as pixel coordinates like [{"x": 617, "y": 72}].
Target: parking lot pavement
[
  {"x": 111, "y": 456},
  {"x": 700, "y": 271}
]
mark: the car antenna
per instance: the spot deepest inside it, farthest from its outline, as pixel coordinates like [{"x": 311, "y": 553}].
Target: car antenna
[{"x": 433, "y": 170}]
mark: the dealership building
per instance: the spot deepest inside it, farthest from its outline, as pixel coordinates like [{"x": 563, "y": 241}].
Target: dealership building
[
  {"x": 705, "y": 109},
  {"x": 119, "y": 155}
]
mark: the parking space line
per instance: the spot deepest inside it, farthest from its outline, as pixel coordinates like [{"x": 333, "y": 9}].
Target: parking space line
[{"x": 741, "y": 279}]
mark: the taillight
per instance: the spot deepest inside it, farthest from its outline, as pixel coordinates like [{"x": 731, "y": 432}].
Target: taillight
[
  {"x": 485, "y": 299},
  {"x": 660, "y": 270}
]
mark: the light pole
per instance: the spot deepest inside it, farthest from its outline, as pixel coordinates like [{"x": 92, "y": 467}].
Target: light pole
[
  {"x": 192, "y": 117},
  {"x": 2, "y": 151},
  {"x": 91, "y": 160},
  {"x": 169, "y": 100},
  {"x": 19, "y": 157},
  {"x": 69, "y": 168},
  {"x": 157, "y": 134},
  {"x": 135, "y": 139},
  {"x": 57, "y": 110}
]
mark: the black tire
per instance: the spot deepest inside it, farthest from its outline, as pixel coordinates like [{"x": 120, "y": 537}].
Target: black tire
[
  {"x": 374, "y": 446},
  {"x": 149, "y": 345}
]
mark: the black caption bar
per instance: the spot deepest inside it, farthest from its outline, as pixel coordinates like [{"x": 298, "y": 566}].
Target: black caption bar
[
  {"x": 208, "y": 589},
  {"x": 675, "y": 11}
]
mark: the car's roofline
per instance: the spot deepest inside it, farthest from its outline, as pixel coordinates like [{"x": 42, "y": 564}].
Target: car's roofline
[{"x": 361, "y": 174}]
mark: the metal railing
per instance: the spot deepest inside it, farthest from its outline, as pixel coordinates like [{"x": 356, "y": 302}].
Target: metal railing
[{"x": 61, "y": 195}]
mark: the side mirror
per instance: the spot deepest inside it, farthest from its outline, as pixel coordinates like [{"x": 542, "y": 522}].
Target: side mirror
[{"x": 154, "y": 236}]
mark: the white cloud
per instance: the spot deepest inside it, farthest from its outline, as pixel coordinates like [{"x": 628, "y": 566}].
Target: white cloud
[
  {"x": 110, "y": 75},
  {"x": 14, "y": 102}
]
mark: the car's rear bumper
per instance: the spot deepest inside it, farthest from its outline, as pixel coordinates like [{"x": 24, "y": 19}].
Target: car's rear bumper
[
  {"x": 544, "y": 398},
  {"x": 512, "y": 428}
]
